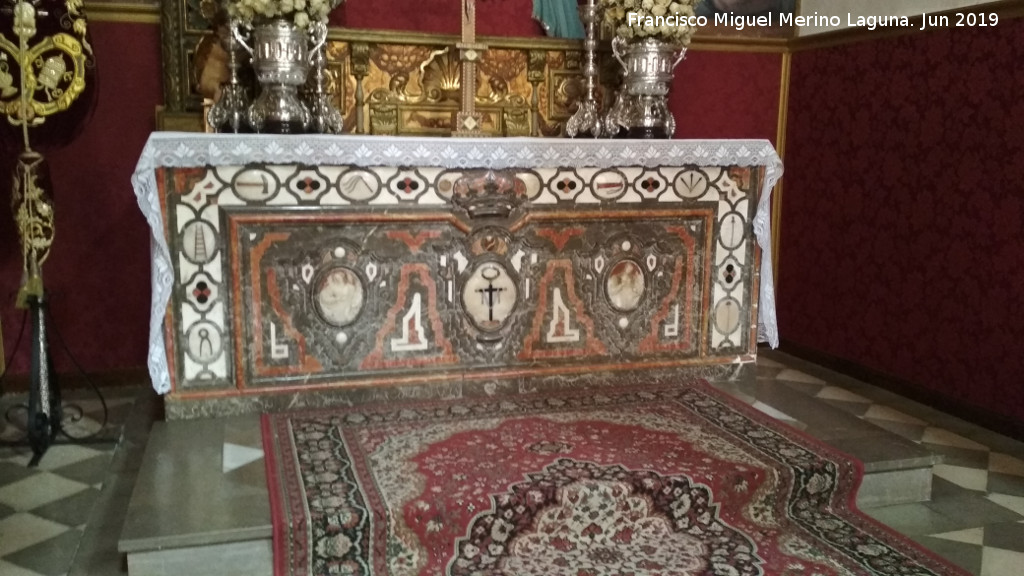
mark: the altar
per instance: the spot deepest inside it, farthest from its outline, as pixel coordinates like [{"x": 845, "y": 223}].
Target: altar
[{"x": 316, "y": 270}]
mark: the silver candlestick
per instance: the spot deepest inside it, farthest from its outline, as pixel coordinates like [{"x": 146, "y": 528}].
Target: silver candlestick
[
  {"x": 324, "y": 116},
  {"x": 587, "y": 118},
  {"x": 230, "y": 113}
]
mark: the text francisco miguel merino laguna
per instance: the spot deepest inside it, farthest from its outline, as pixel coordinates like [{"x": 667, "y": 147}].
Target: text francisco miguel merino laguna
[{"x": 739, "y": 22}]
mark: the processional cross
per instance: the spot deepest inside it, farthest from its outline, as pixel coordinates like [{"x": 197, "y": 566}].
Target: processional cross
[{"x": 468, "y": 120}]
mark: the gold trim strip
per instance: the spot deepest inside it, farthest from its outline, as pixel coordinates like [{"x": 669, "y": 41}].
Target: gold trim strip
[
  {"x": 780, "y": 146},
  {"x": 129, "y": 12}
]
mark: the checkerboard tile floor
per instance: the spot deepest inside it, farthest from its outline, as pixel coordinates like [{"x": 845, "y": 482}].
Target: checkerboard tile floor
[
  {"x": 975, "y": 518},
  {"x": 44, "y": 510},
  {"x": 976, "y": 515}
]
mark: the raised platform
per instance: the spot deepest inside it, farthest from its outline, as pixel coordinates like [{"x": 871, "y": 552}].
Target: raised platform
[{"x": 217, "y": 467}]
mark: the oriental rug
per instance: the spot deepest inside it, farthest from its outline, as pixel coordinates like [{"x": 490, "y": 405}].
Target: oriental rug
[{"x": 652, "y": 481}]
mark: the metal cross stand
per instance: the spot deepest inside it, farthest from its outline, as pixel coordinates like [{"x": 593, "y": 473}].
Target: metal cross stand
[
  {"x": 468, "y": 120},
  {"x": 51, "y": 75}
]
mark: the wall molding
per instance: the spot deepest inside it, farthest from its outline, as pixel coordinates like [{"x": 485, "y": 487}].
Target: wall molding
[
  {"x": 124, "y": 12},
  {"x": 843, "y": 368}
]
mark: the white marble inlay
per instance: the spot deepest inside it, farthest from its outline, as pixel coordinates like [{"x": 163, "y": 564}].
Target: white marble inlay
[
  {"x": 413, "y": 339},
  {"x": 559, "y": 330},
  {"x": 278, "y": 350},
  {"x": 234, "y": 456}
]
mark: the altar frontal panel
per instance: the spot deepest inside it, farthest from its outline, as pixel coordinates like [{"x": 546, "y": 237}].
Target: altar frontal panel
[{"x": 291, "y": 278}]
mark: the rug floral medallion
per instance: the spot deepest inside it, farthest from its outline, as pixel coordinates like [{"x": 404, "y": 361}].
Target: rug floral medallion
[{"x": 672, "y": 480}]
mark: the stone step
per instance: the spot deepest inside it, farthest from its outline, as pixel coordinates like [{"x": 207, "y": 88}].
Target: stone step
[
  {"x": 896, "y": 470},
  {"x": 201, "y": 495}
]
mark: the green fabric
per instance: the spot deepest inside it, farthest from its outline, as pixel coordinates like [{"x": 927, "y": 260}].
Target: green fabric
[{"x": 561, "y": 18}]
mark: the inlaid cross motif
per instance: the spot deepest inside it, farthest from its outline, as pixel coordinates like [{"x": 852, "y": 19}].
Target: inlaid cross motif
[{"x": 490, "y": 296}]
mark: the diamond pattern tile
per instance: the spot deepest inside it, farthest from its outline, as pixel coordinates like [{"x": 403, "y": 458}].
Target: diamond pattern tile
[
  {"x": 50, "y": 557},
  {"x": 22, "y": 530},
  {"x": 8, "y": 569},
  {"x": 37, "y": 490},
  {"x": 43, "y": 510}
]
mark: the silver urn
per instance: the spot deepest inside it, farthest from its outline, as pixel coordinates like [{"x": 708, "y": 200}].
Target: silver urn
[
  {"x": 280, "y": 59},
  {"x": 648, "y": 66}
]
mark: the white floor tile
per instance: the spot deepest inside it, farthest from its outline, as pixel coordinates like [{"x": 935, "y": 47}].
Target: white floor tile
[
  {"x": 970, "y": 478},
  {"x": 59, "y": 456},
  {"x": 37, "y": 490},
  {"x": 22, "y": 530},
  {"x": 969, "y": 536},
  {"x": 797, "y": 376},
  {"x": 836, "y": 393},
  {"x": 1015, "y": 503},
  {"x": 1005, "y": 464},
  {"x": 761, "y": 406},
  {"x": 998, "y": 562},
  {"x": 879, "y": 412},
  {"x": 942, "y": 437}
]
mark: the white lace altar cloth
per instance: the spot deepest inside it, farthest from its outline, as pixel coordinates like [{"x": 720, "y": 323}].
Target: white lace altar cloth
[{"x": 184, "y": 150}]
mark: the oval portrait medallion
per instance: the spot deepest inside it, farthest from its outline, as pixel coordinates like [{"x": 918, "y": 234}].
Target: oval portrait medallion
[
  {"x": 625, "y": 285},
  {"x": 489, "y": 295},
  {"x": 339, "y": 296}
]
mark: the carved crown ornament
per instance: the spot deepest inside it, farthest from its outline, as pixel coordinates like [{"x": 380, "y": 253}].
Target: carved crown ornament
[{"x": 489, "y": 194}]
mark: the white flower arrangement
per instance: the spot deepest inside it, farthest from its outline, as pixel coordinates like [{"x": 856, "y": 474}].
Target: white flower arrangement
[
  {"x": 302, "y": 12},
  {"x": 671, "y": 21}
]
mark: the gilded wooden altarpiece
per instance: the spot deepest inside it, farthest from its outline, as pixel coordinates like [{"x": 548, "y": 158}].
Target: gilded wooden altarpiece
[{"x": 393, "y": 82}]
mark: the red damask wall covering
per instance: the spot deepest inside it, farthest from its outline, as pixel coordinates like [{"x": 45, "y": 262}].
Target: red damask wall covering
[
  {"x": 98, "y": 274},
  {"x": 902, "y": 241}
]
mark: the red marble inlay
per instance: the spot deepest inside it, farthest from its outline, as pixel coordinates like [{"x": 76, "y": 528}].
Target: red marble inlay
[
  {"x": 438, "y": 352},
  {"x": 413, "y": 242},
  {"x": 559, "y": 237},
  {"x": 588, "y": 345}
]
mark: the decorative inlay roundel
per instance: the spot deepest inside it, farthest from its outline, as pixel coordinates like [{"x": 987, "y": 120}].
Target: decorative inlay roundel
[
  {"x": 255, "y": 184},
  {"x": 203, "y": 340},
  {"x": 489, "y": 295},
  {"x": 727, "y": 316},
  {"x": 358, "y": 185},
  {"x": 339, "y": 295},
  {"x": 199, "y": 241},
  {"x": 609, "y": 184},
  {"x": 691, "y": 184},
  {"x": 625, "y": 285}
]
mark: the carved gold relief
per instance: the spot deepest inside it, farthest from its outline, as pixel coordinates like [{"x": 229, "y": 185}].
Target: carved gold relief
[{"x": 408, "y": 83}]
